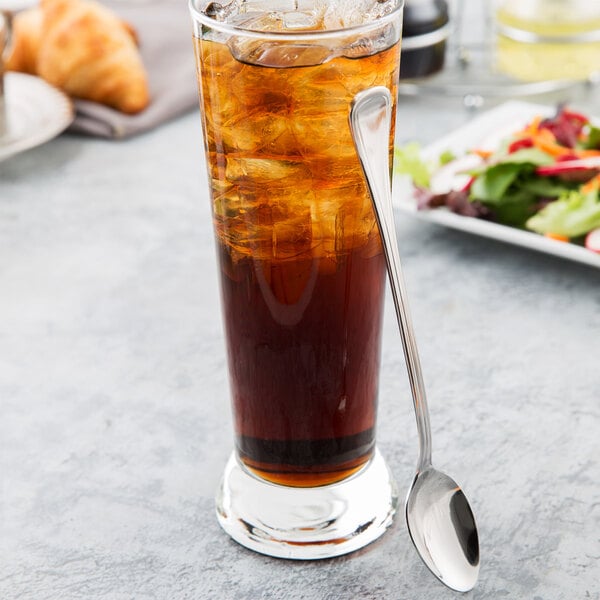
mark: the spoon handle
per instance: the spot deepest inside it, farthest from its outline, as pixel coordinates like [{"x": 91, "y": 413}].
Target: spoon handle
[
  {"x": 7, "y": 25},
  {"x": 370, "y": 122}
]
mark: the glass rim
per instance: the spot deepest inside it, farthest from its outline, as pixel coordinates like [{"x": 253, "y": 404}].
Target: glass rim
[{"x": 223, "y": 27}]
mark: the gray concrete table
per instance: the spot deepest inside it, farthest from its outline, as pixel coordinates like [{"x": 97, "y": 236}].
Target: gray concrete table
[{"x": 114, "y": 414}]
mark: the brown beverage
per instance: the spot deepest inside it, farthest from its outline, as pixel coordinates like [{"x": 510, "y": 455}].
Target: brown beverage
[{"x": 302, "y": 270}]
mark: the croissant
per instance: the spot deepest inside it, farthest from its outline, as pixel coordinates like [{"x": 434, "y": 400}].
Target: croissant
[{"x": 85, "y": 50}]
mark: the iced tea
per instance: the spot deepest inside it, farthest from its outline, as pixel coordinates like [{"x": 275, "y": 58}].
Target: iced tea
[{"x": 302, "y": 270}]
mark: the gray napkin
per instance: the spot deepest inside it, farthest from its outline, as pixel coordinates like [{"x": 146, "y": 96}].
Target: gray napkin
[{"x": 164, "y": 30}]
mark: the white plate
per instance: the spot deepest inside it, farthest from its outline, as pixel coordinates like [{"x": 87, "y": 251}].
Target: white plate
[
  {"x": 485, "y": 132},
  {"x": 35, "y": 113}
]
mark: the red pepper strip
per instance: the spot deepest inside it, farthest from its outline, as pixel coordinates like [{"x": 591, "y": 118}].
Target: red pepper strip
[
  {"x": 520, "y": 144},
  {"x": 468, "y": 185},
  {"x": 568, "y": 156}
]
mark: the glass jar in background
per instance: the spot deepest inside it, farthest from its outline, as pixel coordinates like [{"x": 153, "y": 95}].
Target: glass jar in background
[{"x": 539, "y": 40}]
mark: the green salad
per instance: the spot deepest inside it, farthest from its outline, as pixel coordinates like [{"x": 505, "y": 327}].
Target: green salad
[{"x": 544, "y": 178}]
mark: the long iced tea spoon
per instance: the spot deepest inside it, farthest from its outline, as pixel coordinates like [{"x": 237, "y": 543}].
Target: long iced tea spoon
[{"x": 439, "y": 518}]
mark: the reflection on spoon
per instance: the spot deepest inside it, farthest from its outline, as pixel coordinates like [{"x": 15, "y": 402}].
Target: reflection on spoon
[{"x": 438, "y": 515}]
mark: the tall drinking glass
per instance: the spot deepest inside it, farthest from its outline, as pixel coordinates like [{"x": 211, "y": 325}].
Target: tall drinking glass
[{"x": 301, "y": 265}]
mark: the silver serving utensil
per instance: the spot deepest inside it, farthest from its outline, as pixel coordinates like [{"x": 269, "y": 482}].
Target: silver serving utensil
[
  {"x": 439, "y": 518},
  {"x": 6, "y": 18}
]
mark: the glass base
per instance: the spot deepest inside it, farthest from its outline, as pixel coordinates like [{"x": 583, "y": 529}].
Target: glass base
[{"x": 306, "y": 523}]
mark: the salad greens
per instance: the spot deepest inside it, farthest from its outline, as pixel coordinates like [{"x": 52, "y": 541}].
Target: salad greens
[
  {"x": 572, "y": 215},
  {"x": 544, "y": 178},
  {"x": 407, "y": 160},
  {"x": 593, "y": 140},
  {"x": 446, "y": 157},
  {"x": 510, "y": 186}
]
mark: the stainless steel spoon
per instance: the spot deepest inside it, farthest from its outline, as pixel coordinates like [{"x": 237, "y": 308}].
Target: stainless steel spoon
[
  {"x": 6, "y": 19},
  {"x": 439, "y": 518}
]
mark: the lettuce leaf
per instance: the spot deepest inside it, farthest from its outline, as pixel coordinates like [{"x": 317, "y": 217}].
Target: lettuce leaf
[
  {"x": 511, "y": 188},
  {"x": 593, "y": 141},
  {"x": 447, "y": 156},
  {"x": 493, "y": 183},
  {"x": 573, "y": 214},
  {"x": 408, "y": 161}
]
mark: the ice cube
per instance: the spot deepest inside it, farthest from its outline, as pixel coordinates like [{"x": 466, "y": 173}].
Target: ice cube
[
  {"x": 301, "y": 20},
  {"x": 222, "y": 11},
  {"x": 344, "y": 13},
  {"x": 298, "y": 14},
  {"x": 279, "y": 55},
  {"x": 262, "y": 15},
  {"x": 255, "y": 131},
  {"x": 270, "y": 6},
  {"x": 258, "y": 21},
  {"x": 375, "y": 9},
  {"x": 265, "y": 171}
]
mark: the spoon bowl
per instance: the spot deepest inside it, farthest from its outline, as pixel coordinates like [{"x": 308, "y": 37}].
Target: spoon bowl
[
  {"x": 442, "y": 528},
  {"x": 439, "y": 518}
]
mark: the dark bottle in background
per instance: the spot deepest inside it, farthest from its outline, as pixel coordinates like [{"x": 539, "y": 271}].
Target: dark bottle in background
[{"x": 425, "y": 31}]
